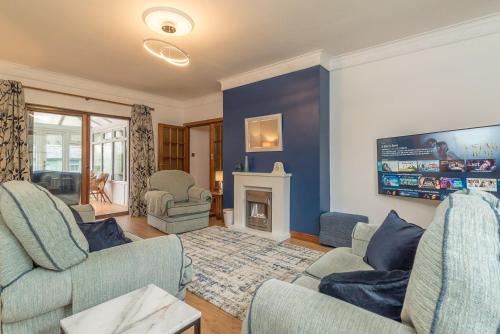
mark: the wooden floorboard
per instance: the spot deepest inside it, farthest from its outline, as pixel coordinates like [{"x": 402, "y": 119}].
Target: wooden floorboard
[{"x": 213, "y": 320}]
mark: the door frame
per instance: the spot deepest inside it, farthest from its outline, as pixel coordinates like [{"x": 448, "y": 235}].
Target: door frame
[
  {"x": 188, "y": 126},
  {"x": 86, "y": 142}
]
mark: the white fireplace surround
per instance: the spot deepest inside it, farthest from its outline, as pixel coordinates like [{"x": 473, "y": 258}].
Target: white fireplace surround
[{"x": 279, "y": 185}]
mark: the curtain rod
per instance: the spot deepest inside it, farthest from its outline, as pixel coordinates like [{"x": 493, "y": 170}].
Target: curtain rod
[{"x": 87, "y": 98}]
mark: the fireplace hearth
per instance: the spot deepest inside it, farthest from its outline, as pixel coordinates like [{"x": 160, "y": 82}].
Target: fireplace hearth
[{"x": 259, "y": 210}]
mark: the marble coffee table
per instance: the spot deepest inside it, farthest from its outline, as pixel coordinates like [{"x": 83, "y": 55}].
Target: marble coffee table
[{"x": 148, "y": 310}]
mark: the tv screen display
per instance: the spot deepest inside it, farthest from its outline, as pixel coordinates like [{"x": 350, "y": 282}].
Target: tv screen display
[{"x": 433, "y": 165}]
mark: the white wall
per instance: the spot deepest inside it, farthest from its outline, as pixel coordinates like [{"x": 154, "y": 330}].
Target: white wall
[
  {"x": 443, "y": 88},
  {"x": 203, "y": 108},
  {"x": 200, "y": 163}
]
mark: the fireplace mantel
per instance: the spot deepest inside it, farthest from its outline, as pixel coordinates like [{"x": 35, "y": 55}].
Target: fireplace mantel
[{"x": 279, "y": 185}]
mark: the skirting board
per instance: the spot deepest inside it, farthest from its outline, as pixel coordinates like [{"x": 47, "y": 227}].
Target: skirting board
[{"x": 305, "y": 237}]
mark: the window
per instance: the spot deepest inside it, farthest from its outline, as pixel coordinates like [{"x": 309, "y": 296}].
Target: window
[
  {"x": 97, "y": 158},
  {"x": 107, "y": 158},
  {"x": 53, "y": 152},
  {"x": 119, "y": 161},
  {"x": 109, "y": 153}
]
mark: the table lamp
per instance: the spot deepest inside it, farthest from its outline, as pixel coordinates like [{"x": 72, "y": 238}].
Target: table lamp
[{"x": 219, "y": 177}]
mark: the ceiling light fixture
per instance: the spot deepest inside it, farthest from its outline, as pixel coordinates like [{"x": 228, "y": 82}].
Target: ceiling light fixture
[
  {"x": 167, "y": 20},
  {"x": 166, "y": 51}
]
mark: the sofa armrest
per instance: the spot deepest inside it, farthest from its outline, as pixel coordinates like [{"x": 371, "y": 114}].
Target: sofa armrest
[
  {"x": 198, "y": 194},
  {"x": 86, "y": 211},
  {"x": 361, "y": 236},
  {"x": 115, "y": 271},
  {"x": 283, "y": 308}
]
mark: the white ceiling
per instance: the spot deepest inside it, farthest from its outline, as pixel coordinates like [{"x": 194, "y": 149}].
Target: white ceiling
[{"x": 102, "y": 39}]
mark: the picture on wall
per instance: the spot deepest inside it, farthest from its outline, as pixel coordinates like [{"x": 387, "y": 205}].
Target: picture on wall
[
  {"x": 433, "y": 165},
  {"x": 263, "y": 134}
]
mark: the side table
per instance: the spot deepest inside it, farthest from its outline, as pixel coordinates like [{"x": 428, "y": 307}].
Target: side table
[{"x": 148, "y": 310}]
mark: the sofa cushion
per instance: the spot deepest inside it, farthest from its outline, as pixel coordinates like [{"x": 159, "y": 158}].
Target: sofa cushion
[
  {"x": 308, "y": 282},
  {"x": 14, "y": 261},
  {"x": 36, "y": 293},
  {"x": 338, "y": 260},
  {"x": 103, "y": 234},
  {"x": 175, "y": 182},
  {"x": 188, "y": 208},
  {"x": 454, "y": 285},
  {"x": 43, "y": 224},
  {"x": 380, "y": 292},
  {"x": 393, "y": 245}
]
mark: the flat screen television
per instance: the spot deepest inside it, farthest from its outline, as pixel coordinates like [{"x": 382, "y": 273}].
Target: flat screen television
[{"x": 433, "y": 165}]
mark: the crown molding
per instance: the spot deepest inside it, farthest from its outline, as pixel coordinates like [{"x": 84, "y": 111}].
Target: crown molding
[
  {"x": 314, "y": 58},
  {"x": 36, "y": 77},
  {"x": 463, "y": 31},
  {"x": 204, "y": 100}
]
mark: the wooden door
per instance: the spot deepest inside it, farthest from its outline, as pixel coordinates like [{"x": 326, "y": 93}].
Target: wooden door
[
  {"x": 216, "y": 140},
  {"x": 172, "y": 147}
]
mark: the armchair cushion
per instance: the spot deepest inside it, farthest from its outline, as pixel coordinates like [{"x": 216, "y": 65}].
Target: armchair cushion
[
  {"x": 43, "y": 224},
  {"x": 338, "y": 260},
  {"x": 175, "y": 182},
  {"x": 381, "y": 292},
  {"x": 103, "y": 234},
  {"x": 187, "y": 208},
  {"x": 393, "y": 245},
  {"x": 198, "y": 194}
]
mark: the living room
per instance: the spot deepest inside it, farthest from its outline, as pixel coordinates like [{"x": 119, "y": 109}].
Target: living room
[{"x": 336, "y": 174}]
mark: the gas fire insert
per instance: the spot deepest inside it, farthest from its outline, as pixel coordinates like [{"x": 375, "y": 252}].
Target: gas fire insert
[{"x": 259, "y": 210}]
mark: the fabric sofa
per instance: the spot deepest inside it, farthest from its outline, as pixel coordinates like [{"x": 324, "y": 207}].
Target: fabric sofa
[
  {"x": 454, "y": 285},
  {"x": 35, "y": 301},
  {"x": 175, "y": 204}
]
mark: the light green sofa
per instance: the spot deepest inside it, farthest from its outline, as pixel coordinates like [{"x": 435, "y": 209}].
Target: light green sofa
[
  {"x": 35, "y": 301},
  {"x": 454, "y": 286},
  {"x": 175, "y": 204}
]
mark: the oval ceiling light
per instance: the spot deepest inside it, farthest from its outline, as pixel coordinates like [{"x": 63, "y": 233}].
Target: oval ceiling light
[
  {"x": 166, "y": 51},
  {"x": 167, "y": 20}
]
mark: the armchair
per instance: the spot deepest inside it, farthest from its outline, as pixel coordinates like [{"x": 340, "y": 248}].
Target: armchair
[
  {"x": 34, "y": 299},
  {"x": 454, "y": 285},
  {"x": 175, "y": 204}
]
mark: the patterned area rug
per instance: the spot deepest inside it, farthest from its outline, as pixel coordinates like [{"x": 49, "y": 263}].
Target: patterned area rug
[{"x": 228, "y": 265}]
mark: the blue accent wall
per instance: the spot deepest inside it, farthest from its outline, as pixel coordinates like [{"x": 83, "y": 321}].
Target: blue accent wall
[{"x": 302, "y": 98}]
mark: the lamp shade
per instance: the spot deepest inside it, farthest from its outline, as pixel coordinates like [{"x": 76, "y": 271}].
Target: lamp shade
[{"x": 219, "y": 176}]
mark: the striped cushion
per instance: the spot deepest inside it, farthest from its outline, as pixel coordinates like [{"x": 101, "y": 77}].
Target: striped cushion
[
  {"x": 454, "y": 286},
  {"x": 43, "y": 224}
]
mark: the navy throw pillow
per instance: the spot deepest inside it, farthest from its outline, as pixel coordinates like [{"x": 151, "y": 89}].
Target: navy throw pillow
[
  {"x": 394, "y": 244},
  {"x": 103, "y": 234},
  {"x": 381, "y": 292}
]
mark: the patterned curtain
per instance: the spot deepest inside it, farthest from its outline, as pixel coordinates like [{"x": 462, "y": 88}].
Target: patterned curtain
[
  {"x": 14, "y": 155},
  {"x": 142, "y": 157}
]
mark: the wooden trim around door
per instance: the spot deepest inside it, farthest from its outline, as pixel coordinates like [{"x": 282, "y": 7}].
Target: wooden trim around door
[
  {"x": 84, "y": 196},
  {"x": 204, "y": 122},
  {"x": 86, "y": 141}
]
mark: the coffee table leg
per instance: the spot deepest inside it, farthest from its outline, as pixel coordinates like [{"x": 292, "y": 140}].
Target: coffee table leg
[{"x": 197, "y": 327}]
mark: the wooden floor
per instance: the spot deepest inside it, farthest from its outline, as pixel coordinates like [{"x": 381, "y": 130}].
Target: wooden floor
[
  {"x": 214, "y": 320},
  {"x": 107, "y": 209}
]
